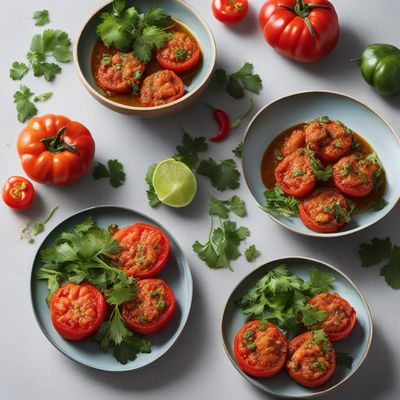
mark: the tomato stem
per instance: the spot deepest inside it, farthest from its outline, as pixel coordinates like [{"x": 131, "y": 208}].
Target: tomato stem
[{"x": 55, "y": 144}]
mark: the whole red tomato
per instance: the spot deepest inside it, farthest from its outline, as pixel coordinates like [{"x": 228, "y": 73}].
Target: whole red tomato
[
  {"x": 55, "y": 150},
  {"x": 303, "y": 31},
  {"x": 18, "y": 192}
]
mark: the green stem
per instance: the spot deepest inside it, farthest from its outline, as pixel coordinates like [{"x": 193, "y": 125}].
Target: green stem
[
  {"x": 242, "y": 116},
  {"x": 55, "y": 144}
]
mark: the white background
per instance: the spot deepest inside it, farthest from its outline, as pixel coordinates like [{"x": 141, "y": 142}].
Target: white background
[{"x": 197, "y": 367}]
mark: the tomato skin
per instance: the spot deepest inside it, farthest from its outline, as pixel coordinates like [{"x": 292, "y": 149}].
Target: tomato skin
[
  {"x": 168, "y": 297},
  {"x": 223, "y": 12},
  {"x": 18, "y": 192},
  {"x": 332, "y": 303},
  {"x": 68, "y": 306},
  {"x": 179, "y": 67},
  {"x": 295, "y": 345},
  {"x": 304, "y": 212},
  {"x": 270, "y": 336},
  {"x": 137, "y": 232},
  {"x": 287, "y": 32},
  {"x": 59, "y": 167}
]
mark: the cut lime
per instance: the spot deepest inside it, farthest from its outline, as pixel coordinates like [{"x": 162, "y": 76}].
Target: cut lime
[{"x": 174, "y": 183}]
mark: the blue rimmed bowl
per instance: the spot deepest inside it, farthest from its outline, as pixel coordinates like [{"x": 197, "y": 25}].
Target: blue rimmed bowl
[
  {"x": 181, "y": 11},
  {"x": 288, "y": 111}
]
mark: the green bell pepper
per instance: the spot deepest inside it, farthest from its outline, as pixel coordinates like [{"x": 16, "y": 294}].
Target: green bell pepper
[{"x": 380, "y": 67}]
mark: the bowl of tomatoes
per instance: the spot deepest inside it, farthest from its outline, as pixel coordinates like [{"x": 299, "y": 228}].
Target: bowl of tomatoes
[
  {"x": 148, "y": 59},
  {"x": 321, "y": 163}
]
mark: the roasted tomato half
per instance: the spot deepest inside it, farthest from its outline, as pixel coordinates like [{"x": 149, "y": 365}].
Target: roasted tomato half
[
  {"x": 151, "y": 309},
  {"x": 295, "y": 175},
  {"x": 120, "y": 72},
  {"x": 354, "y": 175},
  {"x": 180, "y": 54},
  {"x": 18, "y": 192},
  {"x": 260, "y": 349},
  {"x": 331, "y": 140},
  {"x": 230, "y": 11},
  {"x": 341, "y": 316},
  {"x": 161, "y": 88},
  {"x": 77, "y": 311},
  {"x": 324, "y": 210},
  {"x": 144, "y": 250},
  {"x": 295, "y": 141},
  {"x": 311, "y": 359}
]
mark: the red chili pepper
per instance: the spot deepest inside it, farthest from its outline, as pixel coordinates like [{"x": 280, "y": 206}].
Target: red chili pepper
[{"x": 224, "y": 124}]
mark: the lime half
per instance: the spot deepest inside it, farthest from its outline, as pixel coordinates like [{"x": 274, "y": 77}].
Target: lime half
[{"x": 174, "y": 183}]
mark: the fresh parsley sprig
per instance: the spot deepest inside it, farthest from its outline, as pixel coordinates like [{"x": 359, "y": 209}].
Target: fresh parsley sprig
[{"x": 277, "y": 202}]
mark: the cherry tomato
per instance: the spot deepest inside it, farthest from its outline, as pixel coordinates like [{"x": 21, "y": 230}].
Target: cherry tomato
[
  {"x": 295, "y": 175},
  {"x": 230, "y": 11},
  {"x": 18, "y": 192},
  {"x": 260, "y": 349},
  {"x": 317, "y": 211},
  {"x": 144, "y": 250},
  {"x": 180, "y": 53},
  {"x": 120, "y": 72},
  {"x": 160, "y": 88},
  {"x": 304, "y": 31},
  {"x": 55, "y": 150},
  {"x": 330, "y": 140},
  {"x": 151, "y": 309},
  {"x": 77, "y": 311},
  {"x": 311, "y": 361},
  {"x": 341, "y": 316},
  {"x": 354, "y": 175}
]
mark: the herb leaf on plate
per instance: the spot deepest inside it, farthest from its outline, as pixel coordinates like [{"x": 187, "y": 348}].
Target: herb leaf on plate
[{"x": 277, "y": 202}]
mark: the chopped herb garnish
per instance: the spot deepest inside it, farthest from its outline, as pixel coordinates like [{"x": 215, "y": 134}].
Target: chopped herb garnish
[
  {"x": 106, "y": 59},
  {"x": 181, "y": 54},
  {"x": 278, "y": 155},
  {"x": 277, "y": 202},
  {"x": 325, "y": 119},
  {"x": 298, "y": 172}
]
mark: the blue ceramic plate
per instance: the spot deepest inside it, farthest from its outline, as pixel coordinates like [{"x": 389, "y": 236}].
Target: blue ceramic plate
[
  {"x": 180, "y": 11},
  {"x": 357, "y": 344},
  {"x": 176, "y": 273},
  {"x": 283, "y": 113}
]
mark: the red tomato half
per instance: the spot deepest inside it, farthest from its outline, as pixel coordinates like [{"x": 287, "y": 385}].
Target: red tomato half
[
  {"x": 302, "y": 30},
  {"x": 310, "y": 362},
  {"x": 295, "y": 141},
  {"x": 77, "y": 311},
  {"x": 230, "y": 11},
  {"x": 18, "y": 192},
  {"x": 151, "y": 309},
  {"x": 318, "y": 213},
  {"x": 341, "y": 316},
  {"x": 260, "y": 349},
  {"x": 144, "y": 250},
  {"x": 180, "y": 54},
  {"x": 354, "y": 176},
  {"x": 295, "y": 175}
]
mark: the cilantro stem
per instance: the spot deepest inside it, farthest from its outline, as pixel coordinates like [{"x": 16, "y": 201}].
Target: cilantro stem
[{"x": 50, "y": 271}]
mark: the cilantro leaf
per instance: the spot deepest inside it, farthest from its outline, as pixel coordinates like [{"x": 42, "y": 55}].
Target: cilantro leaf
[
  {"x": 375, "y": 252},
  {"x": 206, "y": 252},
  {"x": 151, "y": 37},
  {"x": 319, "y": 282},
  {"x": 322, "y": 174},
  {"x": 122, "y": 291},
  {"x": 188, "y": 151},
  {"x": 156, "y": 16},
  {"x": 233, "y": 236},
  {"x": 18, "y": 70},
  {"x": 344, "y": 359},
  {"x": 251, "y": 253},
  {"x": 48, "y": 70},
  {"x": 221, "y": 208},
  {"x": 112, "y": 33},
  {"x": 391, "y": 270},
  {"x": 238, "y": 206},
  {"x": 130, "y": 346},
  {"x": 151, "y": 193},
  {"x": 220, "y": 76},
  {"x": 238, "y": 150},
  {"x": 224, "y": 175},
  {"x": 114, "y": 170},
  {"x": 234, "y": 88},
  {"x": 320, "y": 337},
  {"x": 378, "y": 205},
  {"x": 25, "y": 108},
  {"x": 311, "y": 315},
  {"x": 277, "y": 202},
  {"x": 58, "y": 44},
  {"x": 41, "y": 17}
]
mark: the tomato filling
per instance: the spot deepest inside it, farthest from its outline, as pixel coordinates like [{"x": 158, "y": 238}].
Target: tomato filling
[
  {"x": 295, "y": 141},
  {"x": 140, "y": 250},
  {"x": 179, "y": 48},
  {"x": 76, "y": 307},
  {"x": 149, "y": 305},
  {"x": 232, "y": 6}
]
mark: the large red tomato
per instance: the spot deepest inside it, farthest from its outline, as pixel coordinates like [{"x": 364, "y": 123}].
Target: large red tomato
[
  {"x": 55, "y": 150},
  {"x": 302, "y": 30}
]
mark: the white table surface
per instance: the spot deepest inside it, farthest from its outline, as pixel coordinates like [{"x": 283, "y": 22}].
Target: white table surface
[{"x": 197, "y": 367}]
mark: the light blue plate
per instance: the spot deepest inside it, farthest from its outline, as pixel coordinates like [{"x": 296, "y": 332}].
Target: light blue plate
[
  {"x": 357, "y": 344},
  {"x": 176, "y": 273},
  {"x": 283, "y": 113}
]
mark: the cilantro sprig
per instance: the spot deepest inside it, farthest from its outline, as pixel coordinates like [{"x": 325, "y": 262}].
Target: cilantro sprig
[
  {"x": 114, "y": 170},
  {"x": 223, "y": 175},
  {"x": 277, "y": 202},
  {"x": 281, "y": 297},
  {"x": 379, "y": 250},
  {"x": 84, "y": 254},
  {"x": 127, "y": 29}
]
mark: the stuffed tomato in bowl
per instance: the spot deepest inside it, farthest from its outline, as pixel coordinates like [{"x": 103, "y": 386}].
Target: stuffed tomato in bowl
[
  {"x": 322, "y": 163},
  {"x": 148, "y": 59}
]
